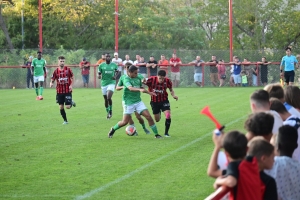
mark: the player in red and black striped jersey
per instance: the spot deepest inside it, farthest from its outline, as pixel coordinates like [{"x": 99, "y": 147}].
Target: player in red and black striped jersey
[
  {"x": 160, "y": 103},
  {"x": 64, "y": 78}
]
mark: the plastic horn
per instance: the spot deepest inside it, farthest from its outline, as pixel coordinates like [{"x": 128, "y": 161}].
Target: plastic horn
[{"x": 206, "y": 111}]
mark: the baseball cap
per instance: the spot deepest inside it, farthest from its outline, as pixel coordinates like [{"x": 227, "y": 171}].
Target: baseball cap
[
  {"x": 115, "y": 54},
  {"x": 30, "y": 56},
  {"x": 84, "y": 59}
]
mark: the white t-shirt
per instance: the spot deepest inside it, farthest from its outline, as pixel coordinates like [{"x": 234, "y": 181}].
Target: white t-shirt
[
  {"x": 286, "y": 172},
  {"x": 135, "y": 62},
  {"x": 118, "y": 61},
  {"x": 126, "y": 61},
  {"x": 277, "y": 121},
  {"x": 288, "y": 121}
]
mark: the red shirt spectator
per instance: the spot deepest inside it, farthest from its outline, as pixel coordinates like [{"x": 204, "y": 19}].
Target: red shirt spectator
[
  {"x": 85, "y": 67},
  {"x": 177, "y": 61}
]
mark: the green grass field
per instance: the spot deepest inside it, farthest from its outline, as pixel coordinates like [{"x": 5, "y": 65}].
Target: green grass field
[{"x": 42, "y": 159}]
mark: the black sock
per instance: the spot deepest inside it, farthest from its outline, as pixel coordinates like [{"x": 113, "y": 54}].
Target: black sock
[
  {"x": 63, "y": 114},
  {"x": 167, "y": 125}
]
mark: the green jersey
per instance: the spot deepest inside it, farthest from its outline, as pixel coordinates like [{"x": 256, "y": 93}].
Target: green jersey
[
  {"x": 108, "y": 73},
  {"x": 244, "y": 79},
  {"x": 130, "y": 97},
  {"x": 38, "y": 66}
]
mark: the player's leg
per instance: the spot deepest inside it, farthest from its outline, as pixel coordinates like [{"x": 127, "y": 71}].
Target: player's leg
[
  {"x": 110, "y": 92},
  {"x": 125, "y": 120},
  {"x": 41, "y": 81},
  {"x": 142, "y": 109},
  {"x": 60, "y": 99},
  {"x": 156, "y": 110},
  {"x": 36, "y": 85},
  {"x": 291, "y": 77},
  {"x": 142, "y": 122},
  {"x": 167, "y": 111}
]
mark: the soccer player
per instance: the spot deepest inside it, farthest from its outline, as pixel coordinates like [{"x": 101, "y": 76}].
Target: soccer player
[
  {"x": 64, "y": 78},
  {"x": 119, "y": 87},
  {"x": 159, "y": 102},
  {"x": 133, "y": 102},
  {"x": 38, "y": 66},
  {"x": 107, "y": 72}
]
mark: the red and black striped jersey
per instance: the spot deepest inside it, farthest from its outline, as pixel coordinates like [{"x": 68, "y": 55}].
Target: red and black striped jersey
[
  {"x": 63, "y": 80},
  {"x": 160, "y": 89}
]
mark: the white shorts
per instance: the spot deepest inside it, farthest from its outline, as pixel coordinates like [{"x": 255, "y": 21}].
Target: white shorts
[
  {"x": 110, "y": 87},
  {"x": 137, "y": 107},
  {"x": 237, "y": 79},
  {"x": 175, "y": 76},
  {"x": 198, "y": 77},
  {"x": 37, "y": 79}
]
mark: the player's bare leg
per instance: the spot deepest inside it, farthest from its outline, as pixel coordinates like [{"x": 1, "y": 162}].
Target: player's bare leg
[
  {"x": 124, "y": 122},
  {"x": 151, "y": 123},
  {"x": 142, "y": 122},
  {"x": 109, "y": 102}
]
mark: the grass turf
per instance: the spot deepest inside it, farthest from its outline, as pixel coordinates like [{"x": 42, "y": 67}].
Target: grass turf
[{"x": 42, "y": 159}]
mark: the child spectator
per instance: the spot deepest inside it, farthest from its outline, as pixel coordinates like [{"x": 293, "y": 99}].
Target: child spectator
[
  {"x": 291, "y": 97},
  {"x": 254, "y": 75},
  {"x": 288, "y": 119},
  {"x": 263, "y": 151},
  {"x": 244, "y": 76},
  {"x": 221, "y": 72},
  {"x": 286, "y": 171}
]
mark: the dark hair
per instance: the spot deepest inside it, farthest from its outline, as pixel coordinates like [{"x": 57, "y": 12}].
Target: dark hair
[
  {"x": 292, "y": 96},
  {"x": 161, "y": 73},
  {"x": 107, "y": 54},
  {"x": 103, "y": 54},
  {"x": 39, "y": 52},
  {"x": 275, "y": 90},
  {"x": 61, "y": 57},
  {"x": 151, "y": 56},
  {"x": 277, "y": 105},
  {"x": 287, "y": 139},
  {"x": 264, "y": 57},
  {"x": 259, "y": 124},
  {"x": 235, "y": 144},
  {"x": 132, "y": 68},
  {"x": 259, "y": 147},
  {"x": 260, "y": 97},
  {"x": 288, "y": 48},
  {"x": 127, "y": 65}
]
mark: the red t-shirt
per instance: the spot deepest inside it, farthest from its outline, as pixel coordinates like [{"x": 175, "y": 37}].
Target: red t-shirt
[
  {"x": 63, "y": 80},
  {"x": 160, "y": 89},
  {"x": 165, "y": 68},
  {"x": 177, "y": 68},
  {"x": 85, "y": 70}
]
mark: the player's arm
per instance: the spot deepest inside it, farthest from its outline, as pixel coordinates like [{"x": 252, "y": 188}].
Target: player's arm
[
  {"x": 116, "y": 73},
  {"x": 120, "y": 85},
  {"x": 281, "y": 64},
  {"x": 53, "y": 78},
  {"x": 173, "y": 94},
  {"x": 71, "y": 79}
]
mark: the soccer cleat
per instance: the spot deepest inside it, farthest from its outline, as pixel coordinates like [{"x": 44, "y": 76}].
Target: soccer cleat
[
  {"x": 167, "y": 135},
  {"x": 40, "y": 97},
  {"x": 37, "y": 98},
  {"x": 135, "y": 134},
  {"x": 65, "y": 122},
  {"x": 147, "y": 131},
  {"x": 109, "y": 114},
  {"x": 158, "y": 136},
  {"x": 111, "y": 133},
  {"x": 73, "y": 104}
]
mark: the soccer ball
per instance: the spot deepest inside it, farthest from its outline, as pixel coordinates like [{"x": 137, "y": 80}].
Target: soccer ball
[{"x": 130, "y": 130}]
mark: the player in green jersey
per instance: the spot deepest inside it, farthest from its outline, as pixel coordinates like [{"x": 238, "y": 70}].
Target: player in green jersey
[
  {"x": 120, "y": 86},
  {"x": 133, "y": 102},
  {"x": 38, "y": 66},
  {"x": 107, "y": 73}
]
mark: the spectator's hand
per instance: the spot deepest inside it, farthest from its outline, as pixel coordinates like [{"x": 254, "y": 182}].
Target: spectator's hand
[
  {"x": 217, "y": 139},
  {"x": 216, "y": 186}
]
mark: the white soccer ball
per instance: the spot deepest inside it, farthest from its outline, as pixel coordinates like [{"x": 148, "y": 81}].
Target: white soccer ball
[{"x": 130, "y": 130}]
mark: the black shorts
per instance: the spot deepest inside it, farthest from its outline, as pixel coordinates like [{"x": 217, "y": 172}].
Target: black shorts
[
  {"x": 160, "y": 106},
  {"x": 289, "y": 76},
  {"x": 64, "y": 99}
]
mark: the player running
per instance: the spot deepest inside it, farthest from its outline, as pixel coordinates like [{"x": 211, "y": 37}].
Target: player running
[
  {"x": 159, "y": 102},
  {"x": 133, "y": 102},
  {"x": 107, "y": 72},
  {"x": 119, "y": 87},
  {"x": 64, "y": 78},
  {"x": 38, "y": 66}
]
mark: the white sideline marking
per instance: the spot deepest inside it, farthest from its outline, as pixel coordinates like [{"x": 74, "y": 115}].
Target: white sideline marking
[{"x": 92, "y": 192}]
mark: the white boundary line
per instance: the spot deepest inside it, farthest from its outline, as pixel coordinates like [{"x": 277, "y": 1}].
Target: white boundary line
[{"x": 95, "y": 191}]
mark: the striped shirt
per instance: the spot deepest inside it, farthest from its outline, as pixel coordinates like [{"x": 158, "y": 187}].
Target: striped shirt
[
  {"x": 160, "y": 89},
  {"x": 63, "y": 80}
]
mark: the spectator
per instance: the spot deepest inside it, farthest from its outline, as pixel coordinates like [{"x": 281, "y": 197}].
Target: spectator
[
  {"x": 289, "y": 61},
  {"x": 288, "y": 119},
  {"x": 137, "y": 61},
  {"x": 152, "y": 66},
  {"x": 221, "y": 72},
  {"x": 244, "y": 77},
  {"x": 163, "y": 61},
  {"x": 291, "y": 97},
  {"x": 237, "y": 71},
  {"x": 118, "y": 62},
  {"x": 286, "y": 171},
  {"x": 264, "y": 70},
  {"x": 231, "y": 81},
  {"x": 263, "y": 151},
  {"x": 254, "y": 75},
  {"x": 29, "y": 72},
  {"x": 198, "y": 70},
  {"x": 175, "y": 69},
  {"x": 127, "y": 60},
  {"x": 142, "y": 67},
  {"x": 213, "y": 70},
  {"x": 101, "y": 60},
  {"x": 247, "y": 68},
  {"x": 85, "y": 71},
  {"x": 259, "y": 102}
]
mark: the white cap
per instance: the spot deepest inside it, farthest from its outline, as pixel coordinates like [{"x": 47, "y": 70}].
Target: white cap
[
  {"x": 115, "y": 54},
  {"x": 30, "y": 56}
]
